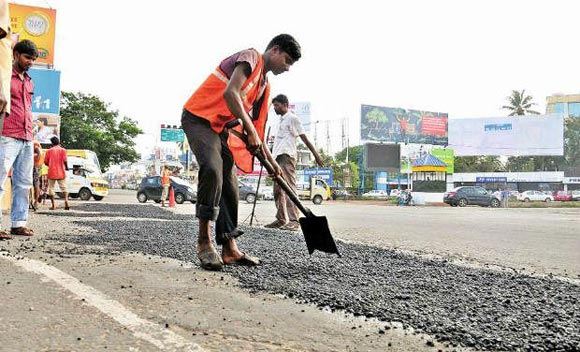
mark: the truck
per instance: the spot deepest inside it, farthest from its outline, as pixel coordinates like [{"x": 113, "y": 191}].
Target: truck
[
  {"x": 317, "y": 190},
  {"x": 84, "y": 177}
]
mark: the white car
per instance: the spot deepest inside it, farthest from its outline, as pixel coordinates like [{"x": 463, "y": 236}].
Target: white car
[
  {"x": 268, "y": 192},
  {"x": 535, "y": 196},
  {"x": 377, "y": 194}
]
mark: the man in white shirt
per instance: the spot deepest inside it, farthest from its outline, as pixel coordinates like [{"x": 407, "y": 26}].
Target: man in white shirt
[{"x": 284, "y": 151}]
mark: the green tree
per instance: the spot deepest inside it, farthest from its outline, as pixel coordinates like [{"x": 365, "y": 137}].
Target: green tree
[
  {"x": 520, "y": 104},
  {"x": 478, "y": 164},
  {"x": 87, "y": 123}
]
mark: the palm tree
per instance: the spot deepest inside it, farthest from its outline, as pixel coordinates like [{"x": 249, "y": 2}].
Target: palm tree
[{"x": 520, "y": 104}]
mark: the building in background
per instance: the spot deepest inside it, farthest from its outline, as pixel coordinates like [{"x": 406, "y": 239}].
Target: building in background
[{"x": 567, "y": 104}]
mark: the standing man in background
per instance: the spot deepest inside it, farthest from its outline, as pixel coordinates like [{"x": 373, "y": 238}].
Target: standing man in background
[
  {"x": 284, "y": 151},
  {"x": 165, "y": 183},
  {"x": 5, "y": 60},
  {"x": 16, "y": 148},
  {"x": 5, "y": 72},
  {"x": 38, "y": 162},
  {"x": 55, "y": 159}
]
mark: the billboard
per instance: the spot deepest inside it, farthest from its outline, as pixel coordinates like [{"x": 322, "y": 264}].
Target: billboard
[
  {"x": 508, "y": 136},
  {"x": 45, "y": 126},
  {"x": 382, "y": 157},
  {"x": 46, "y": 98},
  {"x": 401, "y": 125},
  {"x": 324, "y": 173},
  {"x": 447, "y": 156},
  {"x": 36, "y": 24}
]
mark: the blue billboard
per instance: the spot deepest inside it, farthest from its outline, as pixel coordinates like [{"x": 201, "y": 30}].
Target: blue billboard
[
  {"x": 324, "y": 173},
  {"x": 46, "y": 98}
]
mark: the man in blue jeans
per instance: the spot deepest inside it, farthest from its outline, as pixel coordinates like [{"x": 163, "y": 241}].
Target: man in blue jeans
[{"x": 16, "y": 142}]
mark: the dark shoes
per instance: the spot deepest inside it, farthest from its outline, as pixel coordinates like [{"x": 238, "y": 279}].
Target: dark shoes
[
  {"x": 275, "y": 225},
  {"x": 4, "y": 236},
  {"x": 21, "y": 231}
]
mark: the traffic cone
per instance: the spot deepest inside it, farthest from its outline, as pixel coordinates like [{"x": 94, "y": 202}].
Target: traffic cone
[{"x": 171, "y": 198}]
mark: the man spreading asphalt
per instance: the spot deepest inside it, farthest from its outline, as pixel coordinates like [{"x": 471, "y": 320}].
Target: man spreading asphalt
[
  {"x": 284, "y": 151},
  {"x": 237, "y": 89}
]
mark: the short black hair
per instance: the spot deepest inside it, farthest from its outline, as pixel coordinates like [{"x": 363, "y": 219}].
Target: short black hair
[
  {"x": 54, "y": 140},
  {"x": 26, "y": 47},
  {"x": 44, "y": 120},
  {"x": 281, "y": 98},
  {"x": 287, "y": 44}
]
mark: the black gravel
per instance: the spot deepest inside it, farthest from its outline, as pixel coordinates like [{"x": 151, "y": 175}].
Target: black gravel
[{"x": 460, "y": 306}]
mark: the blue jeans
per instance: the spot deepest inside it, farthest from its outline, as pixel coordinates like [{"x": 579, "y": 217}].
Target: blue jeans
[{"x": 18, "y": 155}]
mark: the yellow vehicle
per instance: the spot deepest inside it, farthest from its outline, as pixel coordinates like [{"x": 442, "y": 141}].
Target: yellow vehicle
[
  {"x": 84, "y": 177},
  {"x": 316, "y": 191}
]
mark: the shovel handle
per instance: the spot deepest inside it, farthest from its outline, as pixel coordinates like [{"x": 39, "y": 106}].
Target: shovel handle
[{"x": 262, "y": 158}]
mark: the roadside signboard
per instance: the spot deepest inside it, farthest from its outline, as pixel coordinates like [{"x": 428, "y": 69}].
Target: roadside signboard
[
  {"x": 46, "y": 97},
  {"x": 36, "y": 24}
]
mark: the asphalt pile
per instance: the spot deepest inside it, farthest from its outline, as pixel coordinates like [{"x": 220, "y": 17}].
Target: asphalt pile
[{"x": 459, "y": 306}]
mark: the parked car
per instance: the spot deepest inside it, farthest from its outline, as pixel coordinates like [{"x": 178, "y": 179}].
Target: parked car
[
  {"x": 563, "y": 196},
  {"x": 576, "y": 195},
  {"x": 470, "y": 195},
  {"x": 535, "y": 196},
  {"x": 376, "y": 194},
  {"x": 150, "y": 189},
  {"x": 268, "y": 192},
  {"x": 340, "y": 193},
  {"x": 248, "y": 192},
  {"x": 395, "y": 192}
]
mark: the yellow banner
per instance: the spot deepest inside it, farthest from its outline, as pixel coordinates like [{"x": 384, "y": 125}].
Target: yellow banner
[{"x": 36, "y": 24}]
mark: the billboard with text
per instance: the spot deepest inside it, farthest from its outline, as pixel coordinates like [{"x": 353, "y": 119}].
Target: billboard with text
[
  {"x": 36, "y": 24},
  {"x": 384, "y": 124},
  {"x": 508, "y": 136}
]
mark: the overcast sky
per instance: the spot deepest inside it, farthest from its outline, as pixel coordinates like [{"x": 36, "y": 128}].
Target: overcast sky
[{"x": 459, "y": 57}]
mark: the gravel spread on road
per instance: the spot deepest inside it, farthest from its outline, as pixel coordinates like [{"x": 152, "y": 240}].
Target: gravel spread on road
[{"x": 458, "y": 305}]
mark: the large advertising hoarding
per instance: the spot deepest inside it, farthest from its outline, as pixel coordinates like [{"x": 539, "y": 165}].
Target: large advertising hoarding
[
  {"x": 401, "y": 125},
  {"x": 36, "y": 24},
  {"x": 508, "y": 136},
  {"x": 46, "y": 97}
]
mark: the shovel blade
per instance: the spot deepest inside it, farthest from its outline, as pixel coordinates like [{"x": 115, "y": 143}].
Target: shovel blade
[{"x": 317, "y": 234}]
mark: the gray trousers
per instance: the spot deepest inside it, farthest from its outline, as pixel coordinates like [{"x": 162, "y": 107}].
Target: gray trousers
[
  {"x": 287, "y": 211},
  {"x": 217, "y": 188}
]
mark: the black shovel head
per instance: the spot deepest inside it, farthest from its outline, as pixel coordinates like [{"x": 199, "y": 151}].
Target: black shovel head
[{"x": 317, "y": 234}]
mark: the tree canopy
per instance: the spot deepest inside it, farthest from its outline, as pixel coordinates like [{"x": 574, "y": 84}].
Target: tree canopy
[{"x": 88, "y": 123}]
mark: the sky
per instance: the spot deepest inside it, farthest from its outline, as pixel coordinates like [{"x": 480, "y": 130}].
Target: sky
[{"x": 461, "y": 57}]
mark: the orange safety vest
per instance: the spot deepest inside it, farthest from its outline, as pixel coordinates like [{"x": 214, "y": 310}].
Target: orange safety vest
[{"x": 207, "y": 102}]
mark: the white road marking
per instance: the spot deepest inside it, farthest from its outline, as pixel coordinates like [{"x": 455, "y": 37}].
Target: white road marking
[{"x": 162, "y": 338}]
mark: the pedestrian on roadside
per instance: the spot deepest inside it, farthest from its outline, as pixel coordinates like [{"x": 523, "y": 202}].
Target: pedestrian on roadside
[
  {"x": 165, "y": 184},
  {"x": 284, "y": 150},
  {"x": 5, "y": 71},
  {"x": 55, "y": 159},
  {"x": 237, "y": 89},
  {"x": 38, "y": 162},
  {"x": 16, "y": 147}
]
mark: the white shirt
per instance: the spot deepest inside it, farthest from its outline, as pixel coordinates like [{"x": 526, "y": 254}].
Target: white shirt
[{"x": 288, "y": 130}]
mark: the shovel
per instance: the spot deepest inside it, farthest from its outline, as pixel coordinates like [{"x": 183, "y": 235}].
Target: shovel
[{"x": 315, "y": 228}]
